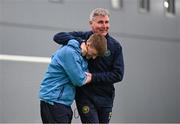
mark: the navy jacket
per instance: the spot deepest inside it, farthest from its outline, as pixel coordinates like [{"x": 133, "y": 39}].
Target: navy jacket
[{"x": 106, "y": 70}]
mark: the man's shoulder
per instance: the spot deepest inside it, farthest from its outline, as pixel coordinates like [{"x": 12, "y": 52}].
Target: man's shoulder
[
  {"x": 73, "y": 43},
  {"x": 70, "y": 48},
  {"x": 111, "y": 38},
  {"x": 114, "y": 41}
]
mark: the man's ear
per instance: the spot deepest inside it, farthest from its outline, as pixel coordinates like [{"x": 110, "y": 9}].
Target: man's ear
[
  {"x": 90, "y": 22},
  {"x": 87, "y": 43}
]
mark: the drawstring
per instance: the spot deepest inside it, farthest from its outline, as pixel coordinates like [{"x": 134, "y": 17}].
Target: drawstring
[{"x": 76, "y": 114}]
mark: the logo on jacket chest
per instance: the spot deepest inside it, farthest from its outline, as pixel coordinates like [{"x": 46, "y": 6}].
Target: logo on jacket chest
[{"x": 107, "y": 53}]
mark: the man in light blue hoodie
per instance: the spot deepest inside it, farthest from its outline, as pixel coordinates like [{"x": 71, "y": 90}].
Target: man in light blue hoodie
[{"x": 68, "y": 69}]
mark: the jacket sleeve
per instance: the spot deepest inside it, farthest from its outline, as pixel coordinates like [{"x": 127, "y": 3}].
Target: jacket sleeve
[
  {"x": 115, "y": 74},
  {"x": 62, "y": 38}
]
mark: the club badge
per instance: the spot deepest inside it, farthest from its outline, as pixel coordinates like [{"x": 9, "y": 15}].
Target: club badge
[
  {"x": 107, "y": 53},
  {"x": 85, "y": 109}
]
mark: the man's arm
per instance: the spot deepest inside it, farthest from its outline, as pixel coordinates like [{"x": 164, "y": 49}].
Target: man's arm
[{"x": 62, "y": 38}]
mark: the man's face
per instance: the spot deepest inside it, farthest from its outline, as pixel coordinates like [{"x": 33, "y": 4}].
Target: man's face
[
  {"x": 100, "y": 25},
  {"x": 91, "y": 52}
]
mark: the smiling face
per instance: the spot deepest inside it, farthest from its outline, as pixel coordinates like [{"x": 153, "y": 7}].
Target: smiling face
[{"x": 100, "y": 24}]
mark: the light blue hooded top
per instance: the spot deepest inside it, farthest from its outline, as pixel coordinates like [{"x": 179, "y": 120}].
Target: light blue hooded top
[{"x": 65, "y": 72}]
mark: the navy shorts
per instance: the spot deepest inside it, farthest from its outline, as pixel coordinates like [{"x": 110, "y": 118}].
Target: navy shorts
[
  {"x": 89, "y": 113},
  {"x": 57, "y": 113}
]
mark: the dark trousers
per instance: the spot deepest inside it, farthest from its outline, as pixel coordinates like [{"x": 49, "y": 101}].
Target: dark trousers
[
  {"x": 89, "y": 113},
  {"x": 57, "y": 113}
]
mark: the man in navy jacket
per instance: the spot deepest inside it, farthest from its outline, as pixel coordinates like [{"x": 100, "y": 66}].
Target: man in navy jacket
[{"x": 95, "y": 100}]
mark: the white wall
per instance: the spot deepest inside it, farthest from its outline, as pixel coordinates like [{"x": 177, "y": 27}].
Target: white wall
[
  {"x": 178, "y": 16},
  {"x": 1, "y": 92},
  {"x": 178, "y": 25},
  {"x": 150, "y": 25},
  {"x": 149, "y": 89},
  {"x": 1, "y": 104},
  {"x": 178, "y": 87},
  {"x": 0, "y": 64},
  {"x": 151, "y": 43},
  {"x": 20, "y": 92},
  {"x": 1, "y": 6},
  {"x": 55, "y": 15}
]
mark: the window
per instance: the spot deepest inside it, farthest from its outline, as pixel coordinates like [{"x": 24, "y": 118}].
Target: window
[
  {"x": 169, "y": 7},
  {"x": 55, "y": 1},
  {"x": 143, "y": 5},
  {"x": 116, "y": 4}
]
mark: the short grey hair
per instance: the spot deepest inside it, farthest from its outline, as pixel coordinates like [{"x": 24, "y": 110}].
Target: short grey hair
[{"x": 98, "y": 12}]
